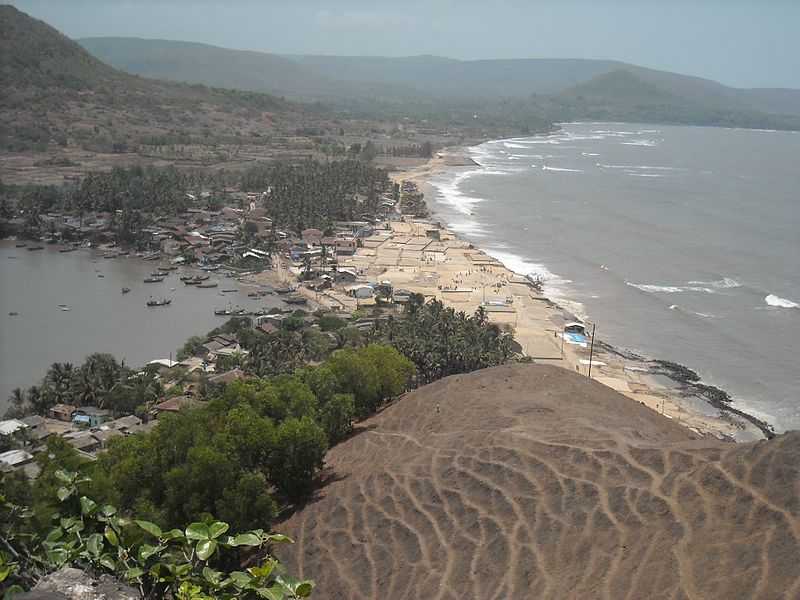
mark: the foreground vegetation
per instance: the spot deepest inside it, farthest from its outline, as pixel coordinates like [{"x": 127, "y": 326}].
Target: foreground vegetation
[{"x": 202, "y": 561}]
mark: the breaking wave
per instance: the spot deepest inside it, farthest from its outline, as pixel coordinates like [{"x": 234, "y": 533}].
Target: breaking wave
[
  {"x": 561, "y": 170},
  {"x": 779, "y": 302},
  {"x": 669, "y": 289},
  {"x": 721, "y": 284}
]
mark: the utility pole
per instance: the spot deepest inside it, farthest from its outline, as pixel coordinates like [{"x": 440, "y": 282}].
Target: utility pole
[{"x": 591, "y": 351}]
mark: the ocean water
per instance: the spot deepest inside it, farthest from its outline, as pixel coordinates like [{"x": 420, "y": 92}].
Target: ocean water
[
  {"x": 101, "y": 318},
  {"x": 680, "y": 243}
]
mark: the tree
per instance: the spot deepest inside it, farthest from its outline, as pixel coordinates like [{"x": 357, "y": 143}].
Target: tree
[
  {"x": 247, "y": 502},
  {"x": 336, "y": 417},
  {"x": 358, "y": 376},
  {"x": 299, "y": 452}
]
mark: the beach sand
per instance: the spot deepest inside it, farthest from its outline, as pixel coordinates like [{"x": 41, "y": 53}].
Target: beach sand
[{"x": 423, "y": 257}]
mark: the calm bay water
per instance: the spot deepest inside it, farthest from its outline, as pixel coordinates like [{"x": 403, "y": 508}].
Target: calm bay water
[
  {"x": 101, "y": 318},
  {"x": 680, "y": 243}
]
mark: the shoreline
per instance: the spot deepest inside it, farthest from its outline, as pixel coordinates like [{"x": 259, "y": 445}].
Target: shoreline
[{"x": 683, "y": 396}]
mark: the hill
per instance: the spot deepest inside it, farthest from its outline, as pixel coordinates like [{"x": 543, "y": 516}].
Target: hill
[
  {"x": 529, "y": 481},
  {"x": 54, "y": 91},
  {"x": 420, "y": 83}
]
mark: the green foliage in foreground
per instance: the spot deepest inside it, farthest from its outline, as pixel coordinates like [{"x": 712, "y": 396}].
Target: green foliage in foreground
[{"x": 199, "y": 562}]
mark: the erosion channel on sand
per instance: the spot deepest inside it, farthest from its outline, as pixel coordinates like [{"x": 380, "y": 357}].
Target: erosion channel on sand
[{"x": 531, "y": 481}]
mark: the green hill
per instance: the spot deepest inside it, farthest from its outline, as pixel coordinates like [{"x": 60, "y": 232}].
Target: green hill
[{"x": 54, "y": 91}]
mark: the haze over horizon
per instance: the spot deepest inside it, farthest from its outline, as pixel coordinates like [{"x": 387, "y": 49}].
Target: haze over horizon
[{"x": 753, "y": 45}]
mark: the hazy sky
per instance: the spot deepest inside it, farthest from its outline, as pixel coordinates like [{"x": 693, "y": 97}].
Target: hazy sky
[{"x": 738, "y": 42}]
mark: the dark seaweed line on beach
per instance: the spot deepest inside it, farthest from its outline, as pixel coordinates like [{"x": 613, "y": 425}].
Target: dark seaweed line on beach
[{"x": 689, "y": 382}]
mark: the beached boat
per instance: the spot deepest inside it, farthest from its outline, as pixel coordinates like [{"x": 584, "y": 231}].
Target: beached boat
[
  {"x": 162, "y": 302},
  {"x": 20, "y": 245},
  {"x": 201, "y": 277},
  {"x": 167, "y": 269},
  {"x": 65, "y": 250},
  {"x": 208, "y": 284},
  {"x": 153, "y": 279},
  {"x": 33, "y": 248},
  {"x": 210, "y": 268},
  {"x": 295, "y": 299},
  {"x": 185, "y": 278},
  {"x": 158, "y": 274},
  {"x": 125, "y": 290},
  {"x": 285, "y": 290},
  {"x": 110, "y": 255},
  {"x": 154, "y": 256}
]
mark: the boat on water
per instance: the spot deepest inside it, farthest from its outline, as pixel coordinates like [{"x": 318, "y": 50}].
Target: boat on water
[
  {"x": 153, "y": 279},
  {"x": 162, "y": 302},
  {"x": 191, "y": 282},
  {"x": 33, "y": 248},
  {"x": 285, "y": 290},
  {"x": 20, "y": 245},
  {"x": 167, "y": 269},
  {"x": 110, "y": 255},
  {"x": 63, "y": 307},
  {"x": 208, "y": 284},
  {"x": 201, "y": 277},
  {"x": 70, "y": 249},
  {"x": 100, "y": 275},
  {"x": 158, "y": 274},
  {"x": 185, "y": 278},
  {"x": 230, "y": 290},
  {"x": 13, "y": 313},
  {"x": 125, "y": 290}
]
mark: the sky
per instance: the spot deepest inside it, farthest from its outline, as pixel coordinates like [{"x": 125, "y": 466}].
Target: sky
[{"x": 744, "y": 43}]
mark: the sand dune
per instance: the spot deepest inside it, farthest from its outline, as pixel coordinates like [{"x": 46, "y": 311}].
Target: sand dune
[{"x": 533, "y": 482}]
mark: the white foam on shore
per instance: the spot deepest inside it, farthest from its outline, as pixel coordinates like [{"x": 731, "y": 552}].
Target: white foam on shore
[
  {"x": 644, "y": 143},
  {"x": 779, "y": 302},
  {"x": 560, "y": 170},
  {"x": 640, "y": 167},
  {"x": 553, "y": 284},
  {"x": 721, "y": 284},
  {"x": 668, "y": 289},
  {"x": 514, "y": 146},
  {"x": 589, "y": 154},
  {"x": 650, "y": 175}
]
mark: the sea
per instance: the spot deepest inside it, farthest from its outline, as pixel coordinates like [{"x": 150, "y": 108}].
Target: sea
[
  {"x": 677, "y": 243},
  {"x": 96, "y": 315}
]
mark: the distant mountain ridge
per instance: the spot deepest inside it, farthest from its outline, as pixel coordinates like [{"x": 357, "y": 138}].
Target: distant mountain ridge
[{"x": 431, "y": 78}]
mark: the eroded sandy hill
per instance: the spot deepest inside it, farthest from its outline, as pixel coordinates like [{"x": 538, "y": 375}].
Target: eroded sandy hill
[{"x": 532, "y": 482}]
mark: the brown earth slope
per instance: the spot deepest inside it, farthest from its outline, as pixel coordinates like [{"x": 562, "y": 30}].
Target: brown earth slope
[{"x": 534, "y": 482}]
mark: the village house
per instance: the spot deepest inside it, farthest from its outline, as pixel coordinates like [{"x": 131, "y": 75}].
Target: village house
[
  {"x": 11, "y": 427},
  {"x": 123, "y": 424},
  {"x": 173, "y": 405},
  {"x": 15, "y": 460},
  {"x": 61, "y": 412},
  {"x": 37, "y": 428},
  {"x": 90, "y": 416},
  {"x": 227, "y": 377},
  {"x": 83, "y": 441}
]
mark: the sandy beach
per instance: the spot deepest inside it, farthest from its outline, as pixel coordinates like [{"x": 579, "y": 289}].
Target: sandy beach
[{"x": 423, "y": 257}]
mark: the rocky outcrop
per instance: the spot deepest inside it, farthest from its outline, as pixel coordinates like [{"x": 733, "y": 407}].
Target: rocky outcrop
[{"x": 74, "y": 584}]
